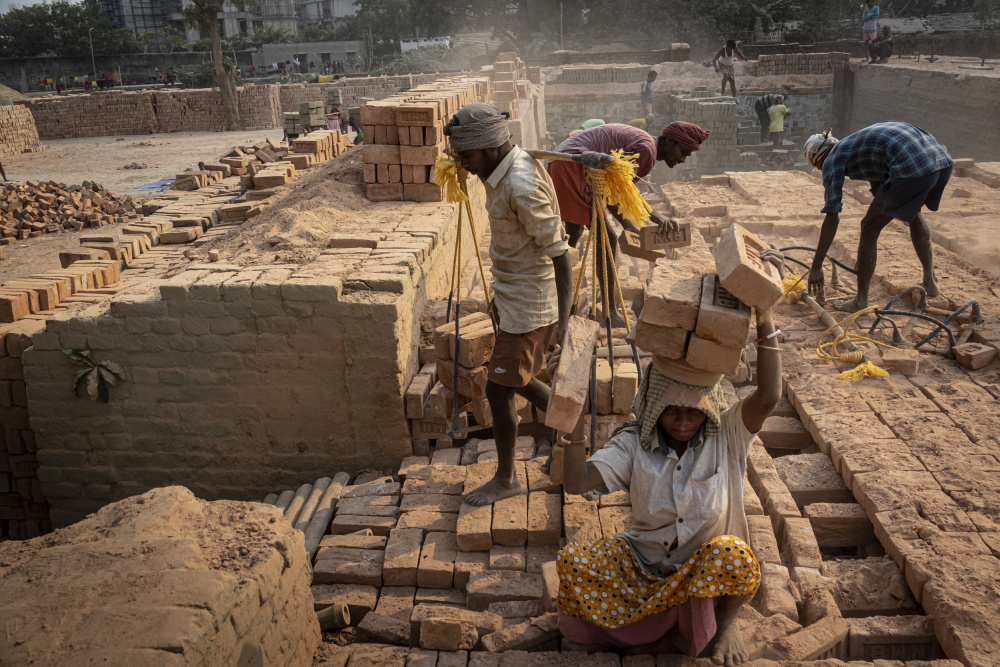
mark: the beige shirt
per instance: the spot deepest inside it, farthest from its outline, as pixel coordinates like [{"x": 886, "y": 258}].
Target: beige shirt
[
  {"x": 678, "y": 505},
  {"x": 526, "y": 234}
]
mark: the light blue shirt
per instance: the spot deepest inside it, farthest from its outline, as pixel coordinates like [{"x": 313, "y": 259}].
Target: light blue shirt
[{"x": 869, "y": 19}]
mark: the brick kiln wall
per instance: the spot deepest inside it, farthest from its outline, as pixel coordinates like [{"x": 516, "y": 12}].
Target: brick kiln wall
[
  {"x": 18, "y": 133},
  {"x": 240, "y": 380},
  {"x": 221, "y": 583},
  {"x": 958, "y": 109}
]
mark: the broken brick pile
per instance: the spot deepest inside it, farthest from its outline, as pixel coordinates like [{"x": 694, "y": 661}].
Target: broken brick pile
[
  {"x": 34, "y": 208},
  {"x": 17, "y": 132},
  {"x": 404, "y": 136}
]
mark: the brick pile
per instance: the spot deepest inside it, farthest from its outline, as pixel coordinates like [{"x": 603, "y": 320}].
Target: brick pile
[
  {"x": 117, "y": 113},
  {"x": 18, "y": 133},
  {"x": 34, "y": 208},
  {"x": 595, "y": 75},
  {"x": 798, "y": 63},
  {"x": 720, "y": 116},
  {"x": 404, "y": 135},
  {"x": 510, "y": 83}
]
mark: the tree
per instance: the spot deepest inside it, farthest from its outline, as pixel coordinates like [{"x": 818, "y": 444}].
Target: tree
[
  {"x": 64, "y": 29},
  {"x": 204, "y": 15},
  {"x": 168, "y": 40}
]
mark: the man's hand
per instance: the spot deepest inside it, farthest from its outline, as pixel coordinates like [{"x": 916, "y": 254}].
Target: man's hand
[
  {"x": 666, "y": 226},
  {"x": 593, "y": 160},
  {"x": 552, "y": 362},
  {"x": 775, "y": 257},
  {"x": 816, "y": 283}
]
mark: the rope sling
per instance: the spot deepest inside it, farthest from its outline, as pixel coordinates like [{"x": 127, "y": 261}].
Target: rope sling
[{"x": 610, "y": 186}]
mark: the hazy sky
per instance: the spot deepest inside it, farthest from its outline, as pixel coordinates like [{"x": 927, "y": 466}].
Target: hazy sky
[{"x": 7, "y": 4}]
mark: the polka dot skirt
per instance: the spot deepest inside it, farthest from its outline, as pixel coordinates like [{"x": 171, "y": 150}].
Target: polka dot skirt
[{"x": 601, "y": 583}]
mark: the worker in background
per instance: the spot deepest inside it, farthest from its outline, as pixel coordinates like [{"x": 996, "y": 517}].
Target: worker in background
[
  {"x": 674, "y": 146},
  {"x": 869, "y": 21},
  {"x": 777, "y": 115},
  {"x": 642, "y": 123},
  {"x": 907, "y": 169},
  {"x": 880, "y": 50},
  {"x": 532, "y": 275},
  {"x": 761, "y": 107},
  {"x": 684, "y": 565},
  {"x": 594, "y": 122},
  {"x": 646, "y": 93},
  {"x": 723, "y": 62}
]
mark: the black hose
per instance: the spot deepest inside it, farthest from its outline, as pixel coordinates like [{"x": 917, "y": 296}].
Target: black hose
[
  {"x": 951, "y": 337},
  {"x": 948, "y": 320},
  {"x": 803, "y": 247}
]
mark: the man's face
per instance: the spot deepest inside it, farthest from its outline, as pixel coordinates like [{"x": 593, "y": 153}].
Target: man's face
[
  {"x": 652, "y": 77},
  {"x": 680, "y": 423},
  {"x": 480, "y": 162},
  {"x": 675, "y": 154}
]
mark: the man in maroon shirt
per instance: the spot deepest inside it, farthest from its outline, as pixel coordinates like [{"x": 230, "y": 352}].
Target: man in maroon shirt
[{"x": 674, "y": 146}]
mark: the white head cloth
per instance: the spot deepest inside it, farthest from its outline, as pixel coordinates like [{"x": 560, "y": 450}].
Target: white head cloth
[{"x": 817, "y": 146}]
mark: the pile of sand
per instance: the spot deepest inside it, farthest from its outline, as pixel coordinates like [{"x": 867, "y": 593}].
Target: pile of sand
[{"x": 9, "y": 95}]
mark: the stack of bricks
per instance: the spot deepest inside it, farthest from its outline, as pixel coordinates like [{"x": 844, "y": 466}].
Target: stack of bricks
[
  {"x": 352, "y": 90},
  {"x": 510, "y": 82},
  {"x": 293, "y": 122},
  {"x": 583, "y": 75},
  {"x": 120, "y": 113},
  {"x": 705, "y": 319},
  {"x": 404, "y": 136},
  {"x": 312, "y": 114},
  {"x": 318, "y": 146},
  {"x": 18, "y": 133},
  {"x": 798, "y": 63},
  {"x": 34, "y": 208},
  {"x": 720, "y": 116},
  {"x": 430, "y": 396}
]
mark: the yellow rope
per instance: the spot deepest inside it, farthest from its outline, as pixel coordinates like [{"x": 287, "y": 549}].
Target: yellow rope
[
  {"x": 792, "y": 290},
  {"x": 864, "y": 368},
  {"x": 452, "y": 179},
  {"x": 617, "y": 187}
]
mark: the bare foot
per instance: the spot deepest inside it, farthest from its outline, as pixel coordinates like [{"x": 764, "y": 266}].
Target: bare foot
[
  {"x": 492, "y": 491},
  {"x": 849, "y": 305},
  {"x": 728, "y": 646},
  {"x": 930, "y": 286}
]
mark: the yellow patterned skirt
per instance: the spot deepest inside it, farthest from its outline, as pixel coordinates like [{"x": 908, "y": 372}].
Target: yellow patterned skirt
[{"x": 600, "y": 582}]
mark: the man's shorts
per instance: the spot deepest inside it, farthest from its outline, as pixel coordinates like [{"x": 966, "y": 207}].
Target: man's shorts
[
  {"x": 519, "y": 357},
  {"x": 869, "y": 36},
  {"x": 901, "y": 198}
]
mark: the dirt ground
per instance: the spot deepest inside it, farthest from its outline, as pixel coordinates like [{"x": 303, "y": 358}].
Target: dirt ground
[{"x": 103, "y": 159}]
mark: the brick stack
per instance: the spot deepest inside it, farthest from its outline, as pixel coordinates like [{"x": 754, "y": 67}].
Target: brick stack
[
  {"x": 583, "y": 75},
  {"x": 34, "y": 208},
  {"x": 312, "y": 114},
  {"x": 404, "y": 135},
  {"x": 352, "y": 90},
  {"x": 510, "y": 82},
  {"x": 705, "y": 319},
  {"x": 429, "y": 398},
  {"x": 798, "y": 63},
  {"x": 719, "y": 115},
  {"x": 18, "y": 133},
  {"x": 293, "y": 122}
]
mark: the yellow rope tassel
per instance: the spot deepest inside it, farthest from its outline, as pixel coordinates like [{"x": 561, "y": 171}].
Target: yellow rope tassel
[
  {"x": 618, "y": 188},
  {"x": 794, "y": 286},
  {"x": 449, "y": 176},
  {"x": 864, "y": 368}
]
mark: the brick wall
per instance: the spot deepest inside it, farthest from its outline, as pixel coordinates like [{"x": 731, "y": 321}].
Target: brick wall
[
  {"x": 148, "y": 112},
  {"x": 352, "y": 89},
  {"x": 564, "y": 114},
  {"x": 960, "y": 110},
  {"x": 17, "y": 132},
  {"x": 679, "y": 52},
  {"x": 241, "y": 380}
]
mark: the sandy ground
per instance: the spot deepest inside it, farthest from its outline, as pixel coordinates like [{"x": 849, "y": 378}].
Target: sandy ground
[
  {"x": 102, "y": 159},
  {"x": 950, "y": 64}
]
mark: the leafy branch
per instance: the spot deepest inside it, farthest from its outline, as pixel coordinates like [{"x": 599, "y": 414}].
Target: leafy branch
[{"x": 97, "y": 377}]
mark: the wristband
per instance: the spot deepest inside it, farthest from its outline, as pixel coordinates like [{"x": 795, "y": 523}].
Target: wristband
[
  {"x": 764, "y": 347},
  {"x": 768, "y": 337},
  {"x": 573, "y": 442}
]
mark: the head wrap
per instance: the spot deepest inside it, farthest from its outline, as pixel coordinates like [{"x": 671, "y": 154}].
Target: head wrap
[
  {"x": 817, "y": 146},
  {"x": 606, "y": 119},
  {"x": 650, "y": 118},
  {"x": 477, "y": 126},
  {"x": 658, "y": 390},
  {"x": 688, "y": 135}
]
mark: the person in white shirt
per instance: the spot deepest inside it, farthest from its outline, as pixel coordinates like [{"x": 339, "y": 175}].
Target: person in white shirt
[{"x": 684, "y": 567}]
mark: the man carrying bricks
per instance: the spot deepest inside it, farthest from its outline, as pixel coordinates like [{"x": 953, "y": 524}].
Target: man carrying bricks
[
  {"x": 684, "y": 568},
  {"x": 674, "y": 146},
  {"x": 532, "y": 275},
  {"x": 907, "y": 169}
]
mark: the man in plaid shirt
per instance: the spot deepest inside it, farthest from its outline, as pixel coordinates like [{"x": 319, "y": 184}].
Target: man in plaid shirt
[{"x": 907, "y": 169}]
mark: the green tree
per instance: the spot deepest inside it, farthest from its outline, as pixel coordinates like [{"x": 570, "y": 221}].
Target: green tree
[
  {"x": 274, "y": 34},
  {"x": 64, "y": 29},
  {"x": 168, "y": 40},
  {"x": 204, "y": 15}
]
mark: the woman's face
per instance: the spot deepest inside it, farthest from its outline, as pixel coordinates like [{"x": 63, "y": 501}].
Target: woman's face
[{"x": 680, "y": 423}]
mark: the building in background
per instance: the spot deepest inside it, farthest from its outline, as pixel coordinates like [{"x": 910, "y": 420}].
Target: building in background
[
  {"x": 141, "y": 15},
  {"x": 330, "y": 12}
]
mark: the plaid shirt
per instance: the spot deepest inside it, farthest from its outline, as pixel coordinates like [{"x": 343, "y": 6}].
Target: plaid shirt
[{"x": 879, "y": 153}]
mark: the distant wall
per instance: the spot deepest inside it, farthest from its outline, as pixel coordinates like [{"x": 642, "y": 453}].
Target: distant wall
[
  {"x": 964, "y": 43},
  {"x": 961, "y": 110},
  {"x": 18, "y": 133},
  {"x": 313, "y": 52},
  {"x": 353, "y": 89},
  {"x": 136, "y": 68}
]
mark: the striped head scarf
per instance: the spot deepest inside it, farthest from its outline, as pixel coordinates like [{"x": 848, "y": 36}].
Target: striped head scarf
[
  {"x": 477, "y": 126},
  {"x": 688, "y": 135},
  {"x": 657, "y": 392}
]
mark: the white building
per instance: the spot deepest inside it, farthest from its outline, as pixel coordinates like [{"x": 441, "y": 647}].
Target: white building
[{"x": 331, "y": 12}]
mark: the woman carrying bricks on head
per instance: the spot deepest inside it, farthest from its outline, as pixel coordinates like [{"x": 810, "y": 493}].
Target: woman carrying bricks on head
[
  {"x": 723, "y": 62},
  {"x": 532, "y": 275},
  {"x": 682, "y": 571},
  {"x": 674, "y": 146},
  {"x": 906, "y": 168}
]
